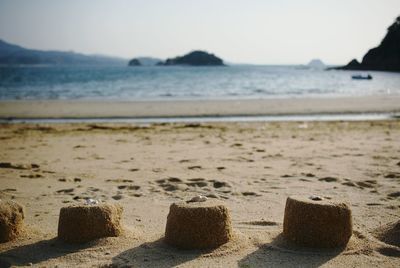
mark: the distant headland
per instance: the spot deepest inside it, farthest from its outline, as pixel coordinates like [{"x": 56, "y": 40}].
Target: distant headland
[
  {"x": 11, "y": 54},
  {"x": 194, "y": 58},
  {"x": 385, "y": 57}
]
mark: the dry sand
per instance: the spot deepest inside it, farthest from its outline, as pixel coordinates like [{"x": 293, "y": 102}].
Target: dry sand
[{"x": 252, "y": 167}]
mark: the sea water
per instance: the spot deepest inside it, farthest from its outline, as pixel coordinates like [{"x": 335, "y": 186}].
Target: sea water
[{"x": 184, "y": 82}]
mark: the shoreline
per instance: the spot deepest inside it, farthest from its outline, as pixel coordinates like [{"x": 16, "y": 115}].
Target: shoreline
[
  {"x": 68, "y": 109},
  {"x": 209, "y": 119}
]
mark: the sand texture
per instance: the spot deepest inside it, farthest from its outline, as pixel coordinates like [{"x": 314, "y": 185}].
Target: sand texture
[
  {"x": 251, "y": 167},
  {"x": 198, "y": 225},
  {"x": 128, "y": 109},
  {"x": 11, "y": 220},
  {"x": 84, "y": 223},
  {"x": 315, "y": 222}
]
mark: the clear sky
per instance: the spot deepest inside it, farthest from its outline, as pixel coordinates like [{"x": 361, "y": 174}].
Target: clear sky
[{"x": 241, "y": 31}]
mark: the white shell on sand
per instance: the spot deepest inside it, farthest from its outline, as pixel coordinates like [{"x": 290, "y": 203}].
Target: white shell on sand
[
  {"x": 198, "y": 198},
  {"x": 315, "y": 197},
  {"x": 91, "y": 202}
]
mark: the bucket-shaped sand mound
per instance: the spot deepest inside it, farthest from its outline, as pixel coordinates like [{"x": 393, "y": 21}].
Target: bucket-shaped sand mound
[
  {"x": 198, "y": 225},
  {"x": 83, "y": 223},
  {"x": 389, "y": 233},
  {"x": 316, "y": 222},
  {"x": 11, "y": 220}
]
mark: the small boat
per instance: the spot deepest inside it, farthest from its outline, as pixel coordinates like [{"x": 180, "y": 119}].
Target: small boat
[{"x": 361, "y": 77}]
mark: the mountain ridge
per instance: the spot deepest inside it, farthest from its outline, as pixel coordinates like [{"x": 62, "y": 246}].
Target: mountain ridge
[{"x": 11, "y": 54}]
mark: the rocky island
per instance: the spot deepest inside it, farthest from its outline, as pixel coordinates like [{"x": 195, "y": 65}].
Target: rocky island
[
  {"x": 195, "y": 58},
  {"x": 316, "y": 64},
  {"x": 385, "y": 57},
  {"x": 144, "y": 61},
  {"x": 134, "y": 62}
]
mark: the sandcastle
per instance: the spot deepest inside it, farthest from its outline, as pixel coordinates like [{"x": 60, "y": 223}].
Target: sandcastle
[
  {"x": 315, "y": 222},
  {"x": 11, "y": 220},
  {"x": 389, "y": 233},
  {"x": 86, "y": 222},
  {"x": 198, "y": 224}
]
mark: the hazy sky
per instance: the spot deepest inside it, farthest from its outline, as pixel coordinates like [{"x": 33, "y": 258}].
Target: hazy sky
[{"x": 245, "y": 31}]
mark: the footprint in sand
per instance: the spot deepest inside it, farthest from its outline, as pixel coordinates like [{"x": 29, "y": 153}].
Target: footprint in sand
[
  {"x": 361, "y": 184},
  {"x": 185, "y": 161},
  {"x": 32, "y": 176},
  {"x": 237, "y": 145},
  {"x": 119, "y": 180},
  {"x": 18, "y": 166},
  {"x": 349, "y": 183},
  {"x": 374, "y": 204},
  {"x": 117, "y": 197},
  {"x": 199, "y": 182},
  {"x": 220, "y": 184},
  {"x": 250, "y": 194},
  {"x": 394, "y": 195},
  {"x": 133, "y": 187},
  {"x": 329, "y": 179},
  {"x": 367, "y": 184},
  {"x": 66, "y": 191},
  {"x": 172, "y": 184},
  {"x": 174, "y": 179},
  {"x": 260, "y": 223},
  {"x": 79, "y": 146},
  {"x": 392, "y": 176},
  {"x": 128, "y": 187},
  {"x": 194, "y": 167}
]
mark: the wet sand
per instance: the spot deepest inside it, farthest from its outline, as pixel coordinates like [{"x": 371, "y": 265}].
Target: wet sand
[
  {"x": 188, "y": 108},
  {"x": 252, "y": 167}
]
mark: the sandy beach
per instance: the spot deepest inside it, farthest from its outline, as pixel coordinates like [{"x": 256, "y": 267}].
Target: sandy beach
[
  {"x": 252, "y": 167},
  {"x": 26, "y": 109},
  {"x": 199, "y": 134}
]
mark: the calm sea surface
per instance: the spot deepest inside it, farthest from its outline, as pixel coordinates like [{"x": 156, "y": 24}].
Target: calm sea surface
[{"x": 170, "y": 83}]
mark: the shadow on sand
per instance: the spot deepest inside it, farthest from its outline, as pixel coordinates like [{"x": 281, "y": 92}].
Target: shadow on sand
[
  {"x": 38, "y": 252},
  {"x": 280, "y": 253},
  {"x": 155, "y": 254}
]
